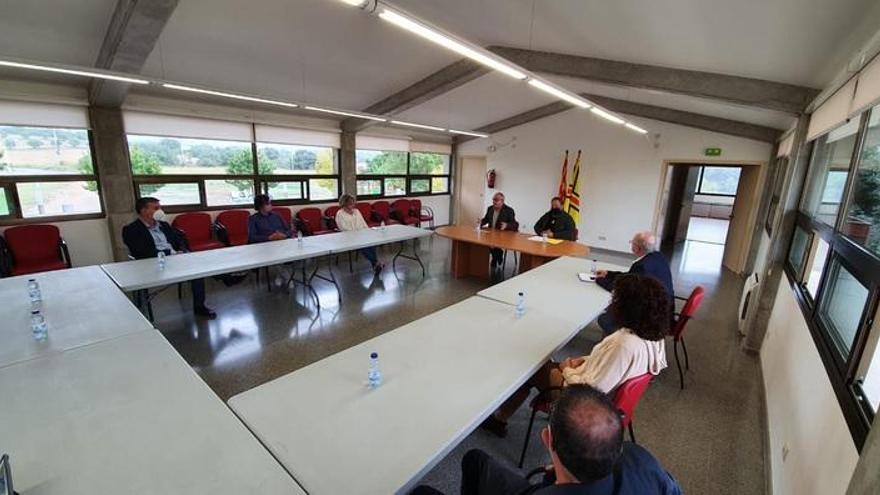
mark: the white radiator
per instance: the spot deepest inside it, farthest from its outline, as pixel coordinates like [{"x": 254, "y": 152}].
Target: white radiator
[{"x": 750, "y": 290}]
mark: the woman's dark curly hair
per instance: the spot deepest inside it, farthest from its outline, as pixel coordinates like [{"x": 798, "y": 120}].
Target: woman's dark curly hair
[{"x": 641, "y": 304}]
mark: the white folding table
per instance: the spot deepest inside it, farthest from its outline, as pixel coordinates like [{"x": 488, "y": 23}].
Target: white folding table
[
  {"x": 81, "y": 306},
  {"x": 127, "y": 416},
  {"x": 340, "y": 242},
  {"x": 443, "y": 375}
]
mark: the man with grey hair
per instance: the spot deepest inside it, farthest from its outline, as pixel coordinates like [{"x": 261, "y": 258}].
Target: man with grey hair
[{"x": 649, "y": 261}]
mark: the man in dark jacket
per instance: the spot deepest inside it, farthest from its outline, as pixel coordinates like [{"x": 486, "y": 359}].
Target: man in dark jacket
[
  {"x": 266, "y": 225},
  {"x": 556, "y": 223},
  {"x": 585, "y": 440},
  {"x": 649, "y": 262},
  {"x": 146, "y": 236},
  {"x": 499, "y": 216}
]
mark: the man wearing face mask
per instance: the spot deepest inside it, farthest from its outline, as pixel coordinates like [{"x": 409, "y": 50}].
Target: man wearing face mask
[
  {"x": 149, "y": 234},
  {"x": 556, "y": 224}
]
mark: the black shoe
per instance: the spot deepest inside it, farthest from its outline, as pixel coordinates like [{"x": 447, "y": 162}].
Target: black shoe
[
  {"x": 377, "y": 268},
  {"x": 495, "y": 426},
  {"x": 206, "y": 312}
]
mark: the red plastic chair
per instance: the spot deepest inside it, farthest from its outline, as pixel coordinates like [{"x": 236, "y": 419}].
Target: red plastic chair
[
  {"x": 284, "y": 213},
  {"x": 36, "y": 248},
  {"x": 310, "y": 221},
  {"x": 401, "y": 210},
  {"x": 423, "y": 213},
  {"x": 366, "y": 210},
  {"x": 382, "y": 212},
  {"x": 330, "y": 218},
  {"x": 197, "y": 229},
  {"x": 232, "y": 227},
  {"x": 680, "y": 323}
]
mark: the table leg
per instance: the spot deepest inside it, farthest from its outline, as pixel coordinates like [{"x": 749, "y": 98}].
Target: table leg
[
  {"x": 331, "y": 278},
  {"x": 470, "y": 260},
  {"x": 529, "y": 261},
  {"x": 415, "y": 257}
]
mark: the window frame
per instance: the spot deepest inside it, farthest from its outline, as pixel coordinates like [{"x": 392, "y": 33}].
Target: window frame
[
  {"x": 700, "y": 182},
  {"x": 408, "y": 178}
]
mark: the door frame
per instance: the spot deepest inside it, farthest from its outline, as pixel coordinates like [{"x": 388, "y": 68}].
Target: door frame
[{"x": 457, "y": 185}]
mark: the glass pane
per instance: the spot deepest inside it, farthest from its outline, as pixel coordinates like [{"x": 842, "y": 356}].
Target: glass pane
[
  {"x": 420, "y": 185},
  {"x": 154, "y": 155},
  {"x": 4, "y": 203},
  {"x": 44, "y": 151},
  {"x": 177, "y": 193},
  {"x": 395, "y": 187},
  {"x": 321, "y": 189},
  {"x": 820, "y": 256},
  {"x": 829, "y": 170},
  {"x": 429, "y": 164},
  {"x": 39, "y": 199},
  {"x": 440, "y": 185},
  {"x": 370, "y": 187},
  {"x": 229, "y": 192},
  {"x": 842, "y": 304},
  {"x": 286, "y": 190},
  {"x": 869, "y": 368},
  {"x": 798, "y": 248},
  {"x": 719, "y": 180},
  {"x": 862, "y": 223},
  {"x": 381, "y": 162},
  {"x": 295, "y": 159}
]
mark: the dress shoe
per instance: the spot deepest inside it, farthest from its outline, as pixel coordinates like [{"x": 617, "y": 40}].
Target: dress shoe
[
  {"x": 206, "y": 312},
  {"x": 495, "y": 426}
]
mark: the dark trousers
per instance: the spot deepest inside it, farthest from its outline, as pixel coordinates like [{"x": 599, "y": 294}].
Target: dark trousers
[
  {"x": 482, "y": 475},
  {"x": 497, "y": 256},
  {"x": 370, "y": 254},
  {"x": 198, "y": 290}
]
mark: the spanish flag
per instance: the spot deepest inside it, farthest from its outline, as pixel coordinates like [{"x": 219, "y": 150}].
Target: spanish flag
[
  {"x": 563, "y": 184},
  {"x": 573, "y": 198}
]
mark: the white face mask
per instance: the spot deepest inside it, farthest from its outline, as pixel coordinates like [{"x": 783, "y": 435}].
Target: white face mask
[{"x": 159, "y": 216}]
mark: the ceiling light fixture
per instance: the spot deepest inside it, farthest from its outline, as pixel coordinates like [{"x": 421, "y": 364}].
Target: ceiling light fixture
[
  {"x": 73, "y": 72},
  {"x": 607, "y": 116},
  {"x": 559, "y": 93},
  {"x": 635, "y": 128},
  {"x": 469, "y": 133},
  {"x": 229, "y": 95},
  {"x": 346, "y": 114},
  {"x": 420, "y": 126},
  {"x": 448, "y": 42},
  {"x": 354, "y": 3}
]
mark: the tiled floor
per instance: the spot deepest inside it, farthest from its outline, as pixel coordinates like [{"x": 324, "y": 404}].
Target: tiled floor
[
  {"x": 708, "y": 230},
  {"x": 709, "y": 436}
]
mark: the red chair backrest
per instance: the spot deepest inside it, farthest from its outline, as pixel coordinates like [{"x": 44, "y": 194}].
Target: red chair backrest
[
  {"x": 284, "y": 213},
  {"x": 330, "y": 216},
  {"x": 236, "y": 223},
  {"x": 416, "y": 206},
  {"x": 33, "y": 244},
  {"x": 311, "y": 219},
  {"x": 383, "y": 209},
  {"x": 687, "y": 311},
  {"x": 628, "y": 394},
  {"x": 196, "y": 226},
  {"x": 366, "y": 210},
  {"x": 402, "y": 208}
]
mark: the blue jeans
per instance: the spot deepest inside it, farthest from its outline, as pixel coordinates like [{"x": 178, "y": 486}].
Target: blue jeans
[{"x": 370, "y": 254}]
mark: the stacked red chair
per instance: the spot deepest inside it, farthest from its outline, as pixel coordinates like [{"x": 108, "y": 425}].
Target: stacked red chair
[
  {"x": 401, "y": 210},
  {"x": 382, "y": 212}
]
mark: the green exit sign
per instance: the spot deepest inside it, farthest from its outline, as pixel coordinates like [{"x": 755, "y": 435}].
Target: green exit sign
[{"x": 713, "y": 151}]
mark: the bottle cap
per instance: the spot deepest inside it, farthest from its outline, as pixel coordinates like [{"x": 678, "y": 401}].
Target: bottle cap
[
  {"x": 35, "y": 312},
  {"x": 520, "y": 293},
  {"x": 374, "y": 355}
]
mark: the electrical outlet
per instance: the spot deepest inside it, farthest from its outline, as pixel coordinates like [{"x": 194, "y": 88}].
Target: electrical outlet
[{"x": 603, "y": 238}]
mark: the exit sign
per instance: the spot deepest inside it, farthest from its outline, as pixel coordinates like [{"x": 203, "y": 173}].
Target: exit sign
[{"x": 713, "y": 151}]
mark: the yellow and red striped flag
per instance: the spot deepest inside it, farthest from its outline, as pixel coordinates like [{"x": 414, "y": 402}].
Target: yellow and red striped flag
[
  {"x": 573, "y": 198},
  {"x": 563, "y": 183}
]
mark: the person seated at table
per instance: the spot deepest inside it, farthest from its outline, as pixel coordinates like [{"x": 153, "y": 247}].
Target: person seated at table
[
  {"x": 588, "y": 455},
  {"x": 641, "y": 306},
  {"x": 650, "y": 262},
  {"x": 499, "y": 216},
  {"x": 349, "y": 218},
  {"x": 149, "y": 234},
  {"x": 556, "y": 223},
  {"x": 266, "y": 225}
]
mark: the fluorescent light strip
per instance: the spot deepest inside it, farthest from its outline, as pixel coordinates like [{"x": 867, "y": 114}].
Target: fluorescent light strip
[
  {"x": 420, "y": 126},
  {"x": 73, "y": 72},
  {"x": 229, "y": 95},
  {"x": 559, "y": 93},
  {"x": 635, "y": 128},
  {"x": 347, "y": 114},
  {"x": 447, "y": 42},
  {"x": 469, "y": 133},
  {"x": 607, "y": 116},
  {"x": 354, "y": 3}
]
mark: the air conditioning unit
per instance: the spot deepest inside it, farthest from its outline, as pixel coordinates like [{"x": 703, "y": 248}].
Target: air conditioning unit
[{"x": 750, "y": 291}]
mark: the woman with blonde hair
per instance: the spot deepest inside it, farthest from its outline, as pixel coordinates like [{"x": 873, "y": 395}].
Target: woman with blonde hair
[{"x": 349, "y": 218}]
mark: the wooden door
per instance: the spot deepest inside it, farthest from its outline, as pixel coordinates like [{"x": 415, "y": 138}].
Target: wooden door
[
  {"x": 471, "y": 190},
  {"x": 740, "y": 229}
]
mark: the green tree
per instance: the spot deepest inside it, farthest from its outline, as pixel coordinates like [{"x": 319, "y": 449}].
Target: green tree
[
  {"x": 304, "y": 160},
  {"x": 387, "y": 162},
  {"x": 427, "y": 163},
  {"x": 241, "y": 163}
]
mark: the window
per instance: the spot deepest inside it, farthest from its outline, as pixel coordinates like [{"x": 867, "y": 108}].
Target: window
[
  {"x": 829, "y": 170},
  {"x": 369, "y": 187},
  {"x": 398, "y": 173},
  {"x": 798, "y": 252},
  {"x": 842, "y": 305},
  {"x": 718, "y": 181},
  {"x": 862, "y": 220},
  {"x": 818, "y": 258},
  {"x": 46, "y": 172}
]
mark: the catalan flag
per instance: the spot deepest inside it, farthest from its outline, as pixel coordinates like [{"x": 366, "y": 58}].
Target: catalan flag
[
  {"x": 563, "y": 183},
  {"x": 573, "y": 198}
]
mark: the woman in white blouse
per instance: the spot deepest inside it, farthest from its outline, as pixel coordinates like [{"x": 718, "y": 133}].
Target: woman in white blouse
[
  {"x": 349, "y": 218},
  {"x": 642, "y": 306}
]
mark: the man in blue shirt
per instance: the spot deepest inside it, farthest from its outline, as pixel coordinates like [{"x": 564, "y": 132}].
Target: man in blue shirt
[
  {"x": 265, "y": 225},
  {"x": 585, "y": 442}
]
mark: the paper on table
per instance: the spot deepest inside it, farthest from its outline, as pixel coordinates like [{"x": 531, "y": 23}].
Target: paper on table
[
  {"x": 549, "y": 241},
  {"x": 586, "y": 277}
]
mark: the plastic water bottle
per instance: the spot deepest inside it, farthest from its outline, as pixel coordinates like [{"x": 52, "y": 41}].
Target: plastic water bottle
[
  {"x": 382, "y": 225},
  {"x": 520, "y": 305},
  {"x": 374, "y": 375},
  {"x": 160, "y": 257},
  {"x": 299, "y": 237},
  {"x": 477, "y": 227},
  {"x": 34, "y": 291},
  {"x": 38, "y": 326},
  {"x": 594, "y": 269},
  {"x": 544, "y": 237}
]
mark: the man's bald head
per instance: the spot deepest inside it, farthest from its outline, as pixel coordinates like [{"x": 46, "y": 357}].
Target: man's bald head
[
  {"x": 643, "y": 243},
  {"x": 587, "y": 432}
]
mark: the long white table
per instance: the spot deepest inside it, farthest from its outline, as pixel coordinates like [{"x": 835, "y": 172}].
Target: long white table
[
  {"x": 129, "y": 416},
  {"x": 443, "y": 373},
  {"x": 555, "y": 287},
  {"x": 82, "y": 306},
  {"x": 338, "y": 242}
]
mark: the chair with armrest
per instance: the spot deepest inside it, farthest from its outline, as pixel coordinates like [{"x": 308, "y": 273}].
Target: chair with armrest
[
  {"x": 382, "y": 213},
  {"x": 423, "y": 213},
  {"x": 197, "y": 228},
  {"x": 310, "y": 221},
  {"x": 232, "y": 227},
  {"x": 401, "y": 210},
  {"x": 680, "y": 321},
  {"x": 35, "y": 248}
]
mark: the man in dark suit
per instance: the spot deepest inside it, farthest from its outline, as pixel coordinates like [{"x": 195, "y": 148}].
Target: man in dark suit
[
  {"x": 499, "y": 216},
  {"x": 584, "y": 438},
  {"x": 147, "y": 236},
  {"x": 648, "y": 262},
  {"x": 556, "y": 223}
]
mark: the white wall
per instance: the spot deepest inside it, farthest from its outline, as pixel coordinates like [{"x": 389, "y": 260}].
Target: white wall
[
  {"x": 87, "y": 240},
  {"x": 620, "y": 169},
  {"x": 803, "y": 415}
]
